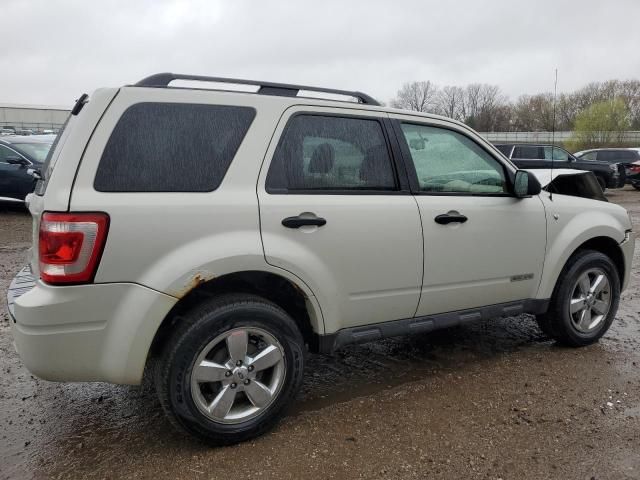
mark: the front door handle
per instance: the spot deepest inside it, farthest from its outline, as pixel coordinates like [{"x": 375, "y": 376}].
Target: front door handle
[
  {"x": 297, "y": 222},
  {"x": 451, "y": 217}
]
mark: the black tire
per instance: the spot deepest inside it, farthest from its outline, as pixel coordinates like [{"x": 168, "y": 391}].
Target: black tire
[
  {"x": 602, "y": 182},
  {"x": 194, "y": 330},
  {"x": 557, "y": 322},
  {"x": 636, "y": 186}
]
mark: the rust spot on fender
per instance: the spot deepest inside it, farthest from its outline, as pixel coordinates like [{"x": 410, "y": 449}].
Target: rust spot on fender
[{"x": 191, "y": 281}]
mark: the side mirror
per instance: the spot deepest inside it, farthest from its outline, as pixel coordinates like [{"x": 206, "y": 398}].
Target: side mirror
[
  {"x": 35, "y": 173},
  {"x": 17, "y": 161},
  {"x": 526, "y": 184}
]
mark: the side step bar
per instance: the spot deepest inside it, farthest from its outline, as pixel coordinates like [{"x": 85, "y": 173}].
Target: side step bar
[{"x": 367, "y": 333}]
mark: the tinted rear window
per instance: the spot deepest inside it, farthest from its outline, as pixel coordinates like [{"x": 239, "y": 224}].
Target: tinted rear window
[
  {"x": 527, "y": 152},
  {"x": 172, "y": 147},
  {"x": 505, "y": 149},
  {"x": 331, "y": 154}
]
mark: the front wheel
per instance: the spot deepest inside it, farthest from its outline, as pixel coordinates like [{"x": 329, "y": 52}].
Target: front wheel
[
  {"x": 231, "y": 368},
  {"x": 585, "y": 300}
]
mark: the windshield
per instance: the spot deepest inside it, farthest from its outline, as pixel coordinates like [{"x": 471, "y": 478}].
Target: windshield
[{"x": 36, "y": 152}]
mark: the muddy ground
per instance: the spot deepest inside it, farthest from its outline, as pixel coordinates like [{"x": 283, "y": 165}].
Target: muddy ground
[{"x": 491, "y": 400}]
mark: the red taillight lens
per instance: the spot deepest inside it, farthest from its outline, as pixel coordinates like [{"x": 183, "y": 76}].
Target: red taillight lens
[{"x": 70, "y": 246}]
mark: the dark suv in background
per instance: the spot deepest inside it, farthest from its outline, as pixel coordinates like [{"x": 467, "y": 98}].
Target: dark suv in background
[
  {"x": 17, "y": 156},
  {"x": 532, "y": 156},
  {"x": 628, "y": 157}
]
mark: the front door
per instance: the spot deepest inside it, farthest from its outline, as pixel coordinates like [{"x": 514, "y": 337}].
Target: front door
[
  {"x": 482, "y": 246},
  {"x": 334, "y": 212}
]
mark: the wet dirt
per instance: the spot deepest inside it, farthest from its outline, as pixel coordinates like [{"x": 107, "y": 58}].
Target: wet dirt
[{"x": 491, "y": 400}]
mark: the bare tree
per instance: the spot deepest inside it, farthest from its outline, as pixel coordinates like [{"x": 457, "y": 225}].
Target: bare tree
[
  {"x": 481, "y": 104},
  {"x": 450, "y": 102},
  {"x": 533, "y": 113},
  {"x": 418, "y": 96},
  {"x": 485, "y": 108}
]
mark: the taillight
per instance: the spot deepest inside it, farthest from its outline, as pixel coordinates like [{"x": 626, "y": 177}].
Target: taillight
[
  {"x": 70, "y": 246},
  {"x": 634, "y": 168}
]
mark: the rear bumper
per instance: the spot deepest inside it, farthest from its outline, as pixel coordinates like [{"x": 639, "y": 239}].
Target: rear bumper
[{"x": 99, "y": 332}]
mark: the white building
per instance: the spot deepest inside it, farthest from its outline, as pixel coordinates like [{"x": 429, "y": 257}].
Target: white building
[{"x": 32, "y": 117}]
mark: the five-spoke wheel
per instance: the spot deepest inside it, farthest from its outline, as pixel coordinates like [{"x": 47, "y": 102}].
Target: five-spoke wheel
[
  {"x": 232, "y": 366},
  {"x": 591, "y": 300},
  {"x": 238, "y": 374},
  {"x": 585, "y": 300}
]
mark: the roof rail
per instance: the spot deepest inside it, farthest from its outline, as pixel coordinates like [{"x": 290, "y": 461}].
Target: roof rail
[{"x": 266, "y": 88}]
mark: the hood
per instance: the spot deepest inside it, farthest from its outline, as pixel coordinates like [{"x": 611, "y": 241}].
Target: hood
[
  {"x": 546, "y": 175},
  {"x": 565, "y": 181}
]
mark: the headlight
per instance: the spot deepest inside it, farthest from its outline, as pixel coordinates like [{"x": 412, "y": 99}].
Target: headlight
[{"x": 613, "y": 166}]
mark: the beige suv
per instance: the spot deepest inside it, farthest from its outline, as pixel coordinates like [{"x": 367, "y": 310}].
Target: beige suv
[{"x": 216, "y": 236}]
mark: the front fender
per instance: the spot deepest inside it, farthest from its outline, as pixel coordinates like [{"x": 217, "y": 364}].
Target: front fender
[{"x": 567, "y": 233}]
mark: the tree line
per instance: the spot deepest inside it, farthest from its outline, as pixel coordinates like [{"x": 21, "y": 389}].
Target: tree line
[{"x": 611, "y": 106}]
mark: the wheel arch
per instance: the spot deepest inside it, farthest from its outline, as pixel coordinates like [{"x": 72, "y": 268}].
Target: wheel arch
[
  {"x": 282, "y": 291},
  {"x": 603, "y": 244}
]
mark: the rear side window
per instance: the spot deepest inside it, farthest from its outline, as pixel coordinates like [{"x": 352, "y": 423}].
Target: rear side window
[
  {"x": 327, "y": 153},
  {"x": 555, "y": 153},
  {"x": 589, "y": 156},
  {"x": 528, "y": 152},
  {"x": 505, "y": 149},
  {"x": 172, "y": 147}
]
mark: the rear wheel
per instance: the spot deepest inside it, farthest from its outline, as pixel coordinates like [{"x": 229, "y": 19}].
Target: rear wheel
[
  {"x": 231, "y": 369},
  {"x": 585, "y": 300}
]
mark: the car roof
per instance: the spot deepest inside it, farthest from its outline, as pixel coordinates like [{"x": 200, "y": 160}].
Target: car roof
[
  {"x": 16, "y": 139},
  {"x": 612, "y": 148},
  {"x": 527, "y": 145},
  {"x": 287, "y": 93}
]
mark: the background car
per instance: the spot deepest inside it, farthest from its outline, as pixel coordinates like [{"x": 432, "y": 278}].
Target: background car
[
  {"x": 17, "y": 155},
  {"x": 628, "y": 157},
  {"x": 528, "y": 156}
]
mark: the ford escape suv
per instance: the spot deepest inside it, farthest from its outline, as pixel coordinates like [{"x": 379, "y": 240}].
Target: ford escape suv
[{"x": 212, "y": 237}]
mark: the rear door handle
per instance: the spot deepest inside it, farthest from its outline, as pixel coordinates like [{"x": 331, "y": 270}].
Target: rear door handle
[
  {"x": 451, "y": 217},
  {"x": 297, "y": 222}
]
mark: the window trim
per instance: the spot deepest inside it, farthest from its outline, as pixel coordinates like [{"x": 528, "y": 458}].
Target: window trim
[
  {"x": 157, "y": 102},
  {"x": 413, "y": 175},
  {"x": 393, "y": 149}
]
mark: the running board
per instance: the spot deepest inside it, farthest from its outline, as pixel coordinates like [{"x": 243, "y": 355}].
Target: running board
[{"x": 367, "y": 333}]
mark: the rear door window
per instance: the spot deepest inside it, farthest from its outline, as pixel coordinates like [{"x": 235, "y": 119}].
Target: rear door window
[
  {"x": 589, "y": 156},
  {"x": 319, "y": 153},
  {"x": 555, "y": 153},
  {"x": 172, "y": 147},
  {"x": 527, "y": 152},
  {"x": 505, "y": 149}
]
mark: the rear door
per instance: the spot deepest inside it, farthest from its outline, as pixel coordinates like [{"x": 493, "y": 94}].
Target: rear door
[{"x": 336, "y": 211}]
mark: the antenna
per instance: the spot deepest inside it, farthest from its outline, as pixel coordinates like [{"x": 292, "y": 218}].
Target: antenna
[{"x": 553, "y": 132}]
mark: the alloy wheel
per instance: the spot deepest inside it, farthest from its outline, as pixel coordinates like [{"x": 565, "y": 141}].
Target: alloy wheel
[
  {"x": 591, "y": 300},
  {"x": 238, "y": 375}
]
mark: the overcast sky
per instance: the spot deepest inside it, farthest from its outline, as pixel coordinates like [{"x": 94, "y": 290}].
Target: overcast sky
[{"x": 54, "y": 50}]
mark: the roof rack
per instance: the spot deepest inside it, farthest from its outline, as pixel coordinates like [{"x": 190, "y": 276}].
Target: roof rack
[{"x": 266, "y": 88}]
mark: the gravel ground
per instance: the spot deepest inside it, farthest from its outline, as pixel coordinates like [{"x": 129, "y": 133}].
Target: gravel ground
[{"x": 491, "y": 400}]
